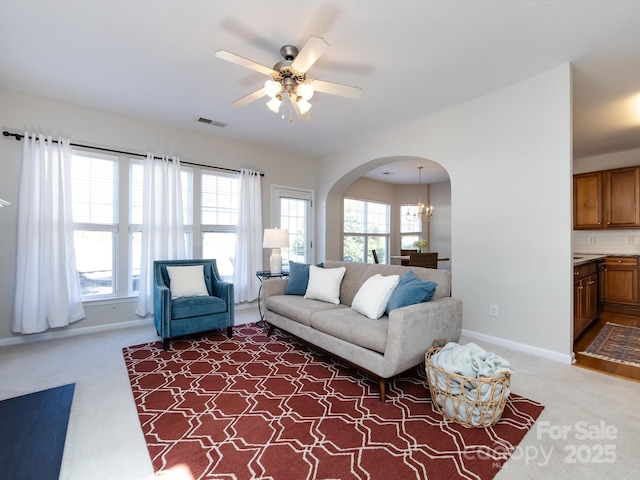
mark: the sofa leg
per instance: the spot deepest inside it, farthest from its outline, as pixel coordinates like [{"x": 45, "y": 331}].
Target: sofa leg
[
  {"x": 229, "y": 332},
  {"x": 271, "y": 328},
  {"x": 165, "y": 344},
  {"x": 383, "y": 389}
]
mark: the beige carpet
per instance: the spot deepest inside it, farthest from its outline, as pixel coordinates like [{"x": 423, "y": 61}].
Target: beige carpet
[{"x": 105, "y": 440}]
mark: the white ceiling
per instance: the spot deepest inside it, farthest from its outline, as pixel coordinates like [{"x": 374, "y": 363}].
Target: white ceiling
[{"x": 155, "y": 60}]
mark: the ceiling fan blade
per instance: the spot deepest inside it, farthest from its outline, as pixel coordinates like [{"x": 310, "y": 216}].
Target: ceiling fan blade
[
  {"x": 244, "y": 62},
  {"x": 337, "y": 89},
  {"x": 252, "y": 97},
  {"x": 311, "y": 52},
  {"x": 303, "y": 117}
]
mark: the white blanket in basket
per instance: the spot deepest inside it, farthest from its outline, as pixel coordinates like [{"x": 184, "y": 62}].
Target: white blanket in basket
[{"x": 472, "y": 361}]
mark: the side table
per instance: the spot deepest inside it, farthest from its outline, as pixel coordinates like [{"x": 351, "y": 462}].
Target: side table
[{"x": 262, "y": 276}]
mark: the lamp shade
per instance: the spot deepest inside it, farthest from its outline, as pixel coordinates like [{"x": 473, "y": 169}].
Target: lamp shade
[
  {"x": 304, "y": 106},
  {"x": 275, "y": 238},
  {"x": 305, "y": 90},
  {"x": 272, "y": 88},
  {"x": 274, "y": 104}
]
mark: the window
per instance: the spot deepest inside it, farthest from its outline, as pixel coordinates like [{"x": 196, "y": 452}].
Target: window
[
  {"x": 219, "y": 217},
  {"x": 135, "y": 222},
  {"x": 134, "y": 245},
  {"x": 94, "y": 183},
  {"x": 186, "y": 182},
  {"x": 410, "y": 227},
  {"x": 366, "y": 227},
  {"x": 292, "y": 210},
  {"x": 107, "y": 214},
  {"x": 108, "y": 224}
]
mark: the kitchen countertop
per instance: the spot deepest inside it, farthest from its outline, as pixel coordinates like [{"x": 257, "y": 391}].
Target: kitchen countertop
[{"x": 582, "y": 258}]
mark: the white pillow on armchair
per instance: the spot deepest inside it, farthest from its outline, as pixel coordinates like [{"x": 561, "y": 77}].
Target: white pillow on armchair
[{"x": 187, "y": 281}]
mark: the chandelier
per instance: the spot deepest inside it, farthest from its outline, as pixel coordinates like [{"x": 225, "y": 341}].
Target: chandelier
[
  {"x": 421, "y": 211},
  {"x": 289, "y": 82}
]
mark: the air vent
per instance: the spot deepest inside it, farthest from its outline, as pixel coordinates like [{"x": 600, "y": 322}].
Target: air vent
[{"x": 212, "y": 122}]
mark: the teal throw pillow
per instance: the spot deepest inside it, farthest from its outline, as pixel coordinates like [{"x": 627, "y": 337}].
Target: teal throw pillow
[
  {"x": 411, "y": 290},
  {"x": 298, "y": 278}
]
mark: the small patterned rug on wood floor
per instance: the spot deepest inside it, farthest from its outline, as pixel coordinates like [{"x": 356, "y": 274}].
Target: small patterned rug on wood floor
[
  {"x": 258, "y": 407},
  {"x": 616, "y": 343}
]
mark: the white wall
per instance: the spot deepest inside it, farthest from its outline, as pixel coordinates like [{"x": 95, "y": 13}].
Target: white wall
[
  {"x": 20, "y": 111},
  {"x": 607, "y": 161},
  {"x": 367, "y": 189},
  {"x": 440, "y": 223},
  {"x": 508, "y": 155}
]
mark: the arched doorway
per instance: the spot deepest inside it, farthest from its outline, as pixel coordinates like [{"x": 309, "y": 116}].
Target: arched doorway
[{"x": 394, "y": 181}]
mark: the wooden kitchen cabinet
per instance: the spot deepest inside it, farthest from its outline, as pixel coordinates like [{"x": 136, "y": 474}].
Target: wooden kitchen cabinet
[
  {"x": 621, "y": 285},
  {"x": 622, "y": 197},
  {"x": 585, "y": 296},
  {"x": 587, "y": 201},
  {"x": 607, "y": 199},
  {"x": 602, "y": 267}
]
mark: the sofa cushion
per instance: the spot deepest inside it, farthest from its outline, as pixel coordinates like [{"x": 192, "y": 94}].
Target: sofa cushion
[
  {"x": 357, "y": 273},
  {"x": 373, "y": 296},
  {"x": 411, "y": 290},
  {"x": 324, "y": 284},
  {"x": 298, "y": 309},
  {"x": 298, "y": 278},
  {"x": 352, "y": 327},
  {"x": 186, "y": 307}
]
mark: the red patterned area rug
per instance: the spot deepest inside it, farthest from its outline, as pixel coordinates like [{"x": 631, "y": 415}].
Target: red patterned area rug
[
  {"x": 616, "y": 343},
  {"x": 258, "y": 407}
]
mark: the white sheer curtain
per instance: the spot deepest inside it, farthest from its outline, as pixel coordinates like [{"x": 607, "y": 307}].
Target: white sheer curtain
[
  {"x": 249, "y": 237},
  {"x": 47, "y": 290},
  {"x": 162, "y": 223}
]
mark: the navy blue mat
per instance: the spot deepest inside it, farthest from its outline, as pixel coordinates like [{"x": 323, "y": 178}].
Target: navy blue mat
[{"x": 33, "y": 429}]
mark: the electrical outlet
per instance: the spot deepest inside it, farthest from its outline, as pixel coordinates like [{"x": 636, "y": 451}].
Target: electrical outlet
[{"x": 493, "y": 310}]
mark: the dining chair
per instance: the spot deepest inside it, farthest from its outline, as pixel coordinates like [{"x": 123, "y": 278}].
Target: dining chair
[
  {"x": 405, "y": 253},
  {"x": 426, "y": 260}
]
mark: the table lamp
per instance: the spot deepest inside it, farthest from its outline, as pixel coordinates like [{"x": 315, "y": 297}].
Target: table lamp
[{"x": 276, "y": 239}]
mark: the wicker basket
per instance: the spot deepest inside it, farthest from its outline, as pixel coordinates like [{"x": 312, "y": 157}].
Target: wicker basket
[{"x": 460, "y": 398}]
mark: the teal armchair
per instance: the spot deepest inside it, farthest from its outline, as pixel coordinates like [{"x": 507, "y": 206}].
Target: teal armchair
[{"x": 186, "y": 315}]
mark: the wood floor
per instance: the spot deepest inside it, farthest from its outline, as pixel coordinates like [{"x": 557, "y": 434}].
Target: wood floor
[{"x": 612, "y": 368}]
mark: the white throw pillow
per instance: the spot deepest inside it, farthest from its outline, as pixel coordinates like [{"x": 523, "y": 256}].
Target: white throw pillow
[
  {"x": 374, "y": 294},
  {"x": 187, "y": 281},
  {"x": 324, "y": 284}
]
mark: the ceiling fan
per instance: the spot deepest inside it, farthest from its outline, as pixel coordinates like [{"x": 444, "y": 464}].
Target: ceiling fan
[{"x": 289, "y": 78}]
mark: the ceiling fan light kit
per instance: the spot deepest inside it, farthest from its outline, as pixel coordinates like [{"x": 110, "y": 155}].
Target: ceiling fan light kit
[
  {"x": 274, "y": 103},
  {"x": 288, "y": 77}
]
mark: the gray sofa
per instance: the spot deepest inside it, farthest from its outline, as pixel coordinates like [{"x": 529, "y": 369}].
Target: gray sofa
[{"x": 384, "y": 347}]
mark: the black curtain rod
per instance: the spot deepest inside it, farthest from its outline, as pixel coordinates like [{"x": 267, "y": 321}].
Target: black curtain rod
[{"x": 19, "y": 137}]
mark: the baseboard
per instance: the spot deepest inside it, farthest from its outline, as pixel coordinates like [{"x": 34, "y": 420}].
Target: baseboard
[
  {"x": 520, "y": 347},
  {"x": 246, "y": 306},
  {"x": 53, "y": 335}
]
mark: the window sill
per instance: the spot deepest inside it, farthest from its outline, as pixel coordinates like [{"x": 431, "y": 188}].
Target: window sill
[{"x": 110, "y": 300}]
